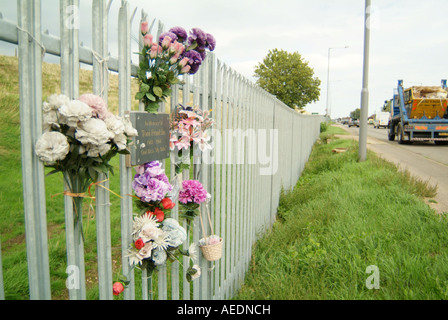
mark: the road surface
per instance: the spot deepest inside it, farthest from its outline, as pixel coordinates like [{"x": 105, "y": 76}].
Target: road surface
[{"x": 422, "y": 159}]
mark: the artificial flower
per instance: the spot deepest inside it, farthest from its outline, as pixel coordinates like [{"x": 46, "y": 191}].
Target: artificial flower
[
  {"x": 167, "y": 203},
  {"x": 93, "y": 131},
  {"x": 117, "y": 288},
  {"x": 52, "y": 146},
  {"x": 73, "y": 112},
  {"x": 97, "y": 104}
]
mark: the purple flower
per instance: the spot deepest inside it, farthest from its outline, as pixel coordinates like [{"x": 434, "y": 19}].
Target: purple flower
[
  {"x": 180, "y": 33},
  {"x": 192, "y": 191},
  {"x": 172, "y": 35},
  {"x": 211, "y": 42},
  {"x": 198, "y": 36},
  {"x": 151, "y": 183},
  {"x": 194, "y": 60}
]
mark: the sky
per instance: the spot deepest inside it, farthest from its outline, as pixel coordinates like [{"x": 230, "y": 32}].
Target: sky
[{"x": 407, "y": 39}]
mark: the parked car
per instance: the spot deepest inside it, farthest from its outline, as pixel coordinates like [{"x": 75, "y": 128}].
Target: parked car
[{"x": 353, "y": 123}]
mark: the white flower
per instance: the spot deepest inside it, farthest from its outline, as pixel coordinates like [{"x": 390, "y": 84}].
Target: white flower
[
  {"x": 52, "y": 146},
  {"x": 75, "y": 111},
  {"x": 49, "y": 119},
  {"x": 196, "y": 274},
  {"x": 149, "y": 232},
  {"x": 161, "y": 241},
  {"x": 121, "y": 141},
  {"x": 134, "y": 258},
  {"x": 141, "y": 221},
  {"x": 193, "y": 252},
  {"x": 55, "y": 101},
  {"x": 129, "y": 130},
  {"x": 176, "y": 233},
  {"x": 95, "y": 151},
  {"x": 93, "y": 131},
  {"x": 115, "y": 125},
  {"x": 145, "y": 252},
  {"x": 159, "y": 257}
]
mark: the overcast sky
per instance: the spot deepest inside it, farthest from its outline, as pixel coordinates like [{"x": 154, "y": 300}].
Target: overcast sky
[{"x": 408, "y": 38}]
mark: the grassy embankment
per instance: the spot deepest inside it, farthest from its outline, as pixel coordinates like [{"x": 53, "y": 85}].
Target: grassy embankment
[{"x": 342, "y": 217}]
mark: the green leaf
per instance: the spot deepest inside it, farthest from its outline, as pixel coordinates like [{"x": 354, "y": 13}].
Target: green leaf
[
  {"x": 158, "y": 91},
  {"x": 139, "y": 96},
  {"x": 152, "y": 107},
  {"x": 150, "y": 97},
  {"x": 144, "y": 88}
]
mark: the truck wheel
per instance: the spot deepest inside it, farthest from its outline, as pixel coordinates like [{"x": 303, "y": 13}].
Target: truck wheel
[
  {"x": 400, "y": 134},
  {"x": 391, "y": 134}
]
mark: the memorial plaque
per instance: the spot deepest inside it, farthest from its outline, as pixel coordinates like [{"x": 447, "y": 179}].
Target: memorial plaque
[{"x": 153, "y": 140}]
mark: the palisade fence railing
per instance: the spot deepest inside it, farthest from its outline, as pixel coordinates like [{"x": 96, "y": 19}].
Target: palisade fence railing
[{"x": 260, "y": 146}]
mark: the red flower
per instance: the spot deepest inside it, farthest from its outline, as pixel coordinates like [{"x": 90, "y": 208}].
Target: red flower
[
  {"x": 167, "y": 204},
  {"x": 139, "y": 244},
  {"x": 159, "y": 214},
  {"x": 117, "y": 288}
]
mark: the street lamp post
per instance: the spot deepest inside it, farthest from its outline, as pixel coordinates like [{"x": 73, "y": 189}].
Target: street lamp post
[
  {"x": 328, "y": 111},
  {"x": 365, "y": 88}
]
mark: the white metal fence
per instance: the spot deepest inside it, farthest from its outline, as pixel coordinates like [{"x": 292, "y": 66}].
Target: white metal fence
[{"x": 260, "y": 146}]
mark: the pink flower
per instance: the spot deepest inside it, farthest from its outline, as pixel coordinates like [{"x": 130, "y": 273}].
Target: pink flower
[
  {"x": 144, "y": 27},
  {"x": 155, "y": 50},
  {"x": 166, "y": 42},
  {"x": 98, "y": 105},
  {"x": 192, "y": 191},
  {"x": 185, "y": 69},
  {"x": 183, "y": 62},
  {"x": 147, "y": 40},
  {"x": 174, "y": 59},
  {"x": 117, "y": 288},
  {"x": 183, "y": 143}
]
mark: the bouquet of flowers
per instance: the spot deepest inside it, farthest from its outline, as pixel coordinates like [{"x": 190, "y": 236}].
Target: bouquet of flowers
[
  {"x": 79, "y": 139},
  {"x": 191, "y": 195},
  {"x": 151, "y": 187},
  {"x": 173, "y": 54},
  {"x": 188, "y": 125},
  {"x": 155, "y": 242}
]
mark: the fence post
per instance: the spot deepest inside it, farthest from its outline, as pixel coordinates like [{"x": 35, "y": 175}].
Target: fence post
[
  {"x": 124, "y": 95},
  {"x": 70, "y": 88},
  {"x": 100, "y": 87},
  {"x": 30, "y": 78}
]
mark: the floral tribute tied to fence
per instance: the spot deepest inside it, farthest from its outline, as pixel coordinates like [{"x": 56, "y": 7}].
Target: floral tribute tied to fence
[{"x": 199, "y": 171}]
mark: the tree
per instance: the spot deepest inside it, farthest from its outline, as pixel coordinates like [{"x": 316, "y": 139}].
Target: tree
[
  {"x": 289, "y": 78},
  {"x": 356, "y": 114}
]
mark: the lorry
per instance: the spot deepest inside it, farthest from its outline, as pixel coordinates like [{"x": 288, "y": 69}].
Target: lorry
[
  {"x": 419, "y": 114},
  {"x": 381, "y": 120}
]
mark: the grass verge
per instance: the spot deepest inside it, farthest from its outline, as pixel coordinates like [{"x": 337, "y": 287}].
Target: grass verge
[{"x": 342, "y": 217}]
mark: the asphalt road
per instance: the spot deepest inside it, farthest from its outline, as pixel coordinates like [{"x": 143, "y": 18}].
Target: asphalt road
[{"x": 423, "y": 159}]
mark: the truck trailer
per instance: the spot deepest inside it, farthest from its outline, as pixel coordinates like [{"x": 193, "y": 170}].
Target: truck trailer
[{"x": 419, "y": 114}]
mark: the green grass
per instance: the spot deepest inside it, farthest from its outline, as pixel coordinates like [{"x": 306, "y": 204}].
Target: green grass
[{"x": 342, "y": 217}]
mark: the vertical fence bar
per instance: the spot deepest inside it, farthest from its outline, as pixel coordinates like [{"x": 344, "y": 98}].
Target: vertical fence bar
[
  {"x": 124, "y": 107},
  {"x": 186, "y": 286},
  {"x": 217, "y": 161},
  {"x": 70, "y": 88},
  {"x": 100, "y": 88},
  {"x": 30, "y": 78}
]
